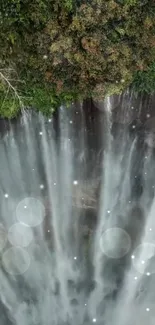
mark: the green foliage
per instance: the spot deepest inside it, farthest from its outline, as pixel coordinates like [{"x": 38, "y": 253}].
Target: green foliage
[
  {"x": 64, "y": 50},
  {"x": 9, "y": 105},
  {"x": 68, "y": 5},
  {"x": 144, "y": 81}
]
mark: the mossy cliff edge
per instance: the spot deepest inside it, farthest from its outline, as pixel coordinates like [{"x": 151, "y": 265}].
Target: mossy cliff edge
[{"x": 54, "y": 51}]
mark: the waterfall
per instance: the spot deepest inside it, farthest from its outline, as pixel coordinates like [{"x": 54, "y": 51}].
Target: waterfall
[{"x": 77, "y": 237}]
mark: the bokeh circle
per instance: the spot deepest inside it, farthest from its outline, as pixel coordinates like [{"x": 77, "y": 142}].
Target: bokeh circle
[
  {"x": 115, "y": 242},
  {"x": 20, "y": 235},
  {"x": 16, "y": 260},
  {"x": 30, "y": 211}
]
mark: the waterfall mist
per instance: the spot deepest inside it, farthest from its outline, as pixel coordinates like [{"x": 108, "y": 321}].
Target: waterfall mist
[{"x": 77, "y": 228}]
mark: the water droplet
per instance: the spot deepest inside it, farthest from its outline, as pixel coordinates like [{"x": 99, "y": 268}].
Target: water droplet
[
  {"x": 147, "y": 309},
  {"x": 115, "y": 242},
  {"x": 75, "y": 258},
  {"x": 75, "y": 182},
  {"x": 20, "y": 235},
  {"x": 16, "y": 260},
  {"x": 41, "y": 186},
  {"x": 40, "y": 133},
  {"x": 6, "y": 195},
  {"x": 33, "y": 215},
  {"x": 94, "y": 320}
]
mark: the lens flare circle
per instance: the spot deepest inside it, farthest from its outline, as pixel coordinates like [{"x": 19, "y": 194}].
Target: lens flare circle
[
  {"x": 30, "y": 211},
  {"x": 115, "y": 242},
  {"x": 16, "y": 260},
  {"x": 144, "y": 261},
  {"x": 20, "y": 235}
]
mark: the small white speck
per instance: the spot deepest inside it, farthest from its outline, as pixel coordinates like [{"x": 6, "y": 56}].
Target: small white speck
[
  {"x": 85, "y": 304},
  {"x": 135, "y": 176},
  {"x": 146, "y": 157},
  {"x": 122, "y": 80},
  {"x": 133, "y": 257},
  {"x": 71, "y": 122},
  {"x": 153, "y": 186},
  {"x": 148, "y": 273},
  {"x": 45, "y": 57},
  {"x": 116, "y": 81},
  {"x": 94, "y": 320},
  {"x": 48, "y": 230},
  {"x": 25, "y": 206},
  {"x": 147, "y": 115},
  {"x": 55, "y": 184},
  {"x": 145, "y": 173},
  {"x": 147, "y": 309},
  {"x": 40, "y": 133},
  {"x": 132, "y": 107},
  {"x": 150, "y": 229},
  {"x": 6, "y": 195},
  {"x": 41, "y": 186},
  {"x": 75, "y": 258},
  {"x": 143, "y": 262},
  {"x": 129, "y": 201},
  {"x": 135, "y": 278},
  {"x": 108, "y": 211},
  {"x": 133, "y": 126},
  {"x": 49, "y": 120},
  {"x": 75, "y": 182},
  {"x": 77, "y": 112},
  {"x": 33, "y": 169}
]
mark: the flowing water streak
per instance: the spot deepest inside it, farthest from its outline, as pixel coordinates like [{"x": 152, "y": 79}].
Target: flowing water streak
[
  {"x": 51, "y": 163},
  {"x": 97, "y": 295}
]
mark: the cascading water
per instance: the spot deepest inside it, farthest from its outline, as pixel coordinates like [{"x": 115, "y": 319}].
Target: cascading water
[{"x": 77, "y": 237}]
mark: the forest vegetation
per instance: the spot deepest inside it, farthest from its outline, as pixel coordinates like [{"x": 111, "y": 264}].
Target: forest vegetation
[{"x": 54, "y": 52}]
